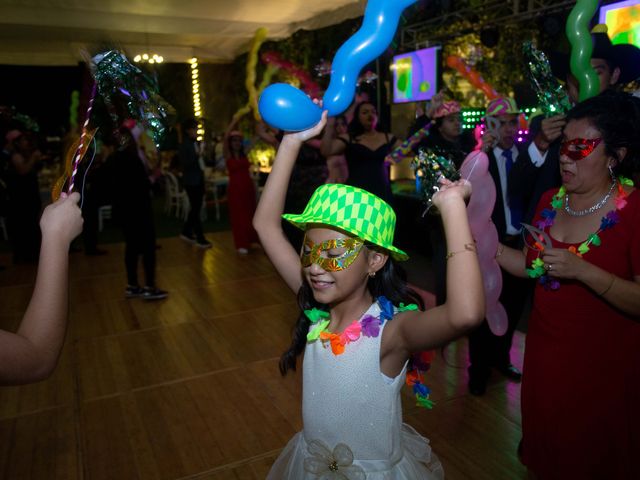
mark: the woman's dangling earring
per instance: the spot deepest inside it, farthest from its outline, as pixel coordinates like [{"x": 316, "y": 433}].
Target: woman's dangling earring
[
  {"x": 613, "y": 175},
  {"x": 372, "y": 274}
]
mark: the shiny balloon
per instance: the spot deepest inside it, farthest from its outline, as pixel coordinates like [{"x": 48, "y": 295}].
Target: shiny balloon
[
  {"x": 475, "y": 169},
  {"x": 381, "y": 19},
  {"x": 582, "y": 47},
  {"x": 285, "y": 107},
  {"x": 380, "y": 22}
]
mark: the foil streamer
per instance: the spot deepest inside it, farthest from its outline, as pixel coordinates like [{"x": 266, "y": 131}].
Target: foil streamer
[
  {"x": 429, "y": 166},
  {"x": 125, "y": 89},
  {"x": 552, "y": 98}
]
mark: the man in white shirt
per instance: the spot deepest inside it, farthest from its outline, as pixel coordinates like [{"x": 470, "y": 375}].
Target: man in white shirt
[{"x": 486, "y": 350}]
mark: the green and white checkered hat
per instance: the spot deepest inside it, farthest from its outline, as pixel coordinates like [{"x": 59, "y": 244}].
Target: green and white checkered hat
[{"x": 353, "y": 210}]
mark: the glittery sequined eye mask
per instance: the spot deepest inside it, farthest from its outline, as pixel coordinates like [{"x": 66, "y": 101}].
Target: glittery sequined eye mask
[
  {"x": 320, "y": 253},
  {"x": 579, "y": 148}
]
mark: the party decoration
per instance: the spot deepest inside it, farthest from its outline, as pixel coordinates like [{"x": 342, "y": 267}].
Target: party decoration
[
  {"x": 310, "y": 87},
  {"x": 118, "y": 79},
  {"x": 474, "y": 78},
  {"x": 83, "y": 144},
  {"x": 406, "y": 148},
  {"x": 429, "y": 166},
  {"x": 252, "y": 60},
  {"x": 76, "y": 151},
  {"x": 582, "y": 47},
  {"x": 279, "y": 105},
  {"x": 115, "y": 79},
  {"x": 552, "y": 98},
  {"x": 475, "y": 169}
]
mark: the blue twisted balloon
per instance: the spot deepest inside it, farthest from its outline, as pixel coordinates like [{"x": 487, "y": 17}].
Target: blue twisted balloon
[{"x": 284, "y": 106}]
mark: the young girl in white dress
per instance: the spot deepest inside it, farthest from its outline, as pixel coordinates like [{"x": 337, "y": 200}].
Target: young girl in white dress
[{"x": 360, "y": 324}]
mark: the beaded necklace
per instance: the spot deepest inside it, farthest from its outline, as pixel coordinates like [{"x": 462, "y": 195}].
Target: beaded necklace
[
  {"x": 369, "y": 326},
  {"x": 537, "y": 269}
]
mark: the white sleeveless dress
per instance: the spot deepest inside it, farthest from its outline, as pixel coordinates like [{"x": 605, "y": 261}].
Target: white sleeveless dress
[{"x": 352, "y": 417}]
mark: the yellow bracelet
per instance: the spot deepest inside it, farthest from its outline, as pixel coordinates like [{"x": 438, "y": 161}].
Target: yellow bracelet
[
  {"x": 468, "y": 247},
  {"x": 613, "y": 279}
]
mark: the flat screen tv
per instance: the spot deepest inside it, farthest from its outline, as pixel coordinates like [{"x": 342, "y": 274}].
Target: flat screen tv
[
  {"x": 623, "y": 21},
  {"x": 416, "y": 75}
]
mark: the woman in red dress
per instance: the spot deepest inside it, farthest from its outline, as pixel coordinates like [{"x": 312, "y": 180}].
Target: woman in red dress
[
  {"x": 241, "y": 192},
  {"x": 581, "y": 379}
]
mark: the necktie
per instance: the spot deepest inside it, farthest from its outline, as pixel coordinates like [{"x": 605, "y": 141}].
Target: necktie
[{"x": 514, "y": 206}]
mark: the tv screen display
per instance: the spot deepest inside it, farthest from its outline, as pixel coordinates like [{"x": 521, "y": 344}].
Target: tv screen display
[
  {"x": 415, "y": 75},
  {"x": 623, "y": 21}
]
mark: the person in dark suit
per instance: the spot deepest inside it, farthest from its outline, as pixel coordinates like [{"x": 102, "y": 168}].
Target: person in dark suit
[
  {"x": 193, "y": 181},
  {"x": 487, "y": 350},
  {"x": 615, "y": 65}
]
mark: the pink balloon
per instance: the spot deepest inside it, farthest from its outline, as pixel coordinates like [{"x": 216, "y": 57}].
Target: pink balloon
[
  {"x": 497, "y": 319},
  {"x": 487, "y": 241},
  {"x": 475, "y": 169}
]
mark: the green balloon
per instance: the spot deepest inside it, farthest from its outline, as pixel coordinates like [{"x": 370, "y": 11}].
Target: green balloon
[{"x": 582, "y": 47}]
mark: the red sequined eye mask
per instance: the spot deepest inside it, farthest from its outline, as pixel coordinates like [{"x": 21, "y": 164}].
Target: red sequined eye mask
[{"x": 579, "y": 148}]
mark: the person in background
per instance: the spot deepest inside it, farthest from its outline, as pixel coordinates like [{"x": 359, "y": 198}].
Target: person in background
[
  {"x": 241, "y": 191},
  {"x": 365, "y": 149},
  {"x": 23, "y": 192},
  {"x": 616, "y": 65},
  {"x": 337, "y": 164},
  {"x": 31, "y": 354},
  {"x": 193, "y": 181},
  {"x": 133, "y": 209},
  {"x": 581, "y": 382}
]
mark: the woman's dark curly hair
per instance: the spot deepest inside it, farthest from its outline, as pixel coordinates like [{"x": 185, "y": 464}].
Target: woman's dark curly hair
[
  {"x": 616, "y": 115},
  {"x": 390, "y": 281}
]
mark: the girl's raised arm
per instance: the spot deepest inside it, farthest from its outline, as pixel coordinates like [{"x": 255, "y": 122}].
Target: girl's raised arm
[
  {"x": 464, "y": 307},
  {"x": 268, "y": 221}
]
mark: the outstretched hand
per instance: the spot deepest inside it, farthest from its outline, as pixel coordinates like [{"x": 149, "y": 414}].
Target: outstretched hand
[{"x": 312, "y": 132}]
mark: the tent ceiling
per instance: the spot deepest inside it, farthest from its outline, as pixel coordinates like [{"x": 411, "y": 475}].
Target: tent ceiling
[{"x": 53, "y": 32}]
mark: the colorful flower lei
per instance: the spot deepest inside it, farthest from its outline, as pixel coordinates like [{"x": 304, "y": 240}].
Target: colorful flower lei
[
  {"x": 369, "y": 326},
  {"x": 548, "y": 218}
]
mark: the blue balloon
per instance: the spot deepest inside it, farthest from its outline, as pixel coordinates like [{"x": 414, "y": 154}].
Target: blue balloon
[
  {"x": 284, "y": 106},
  {"x": 380, "y": 22},
  {"x": 288, "y": 108}
]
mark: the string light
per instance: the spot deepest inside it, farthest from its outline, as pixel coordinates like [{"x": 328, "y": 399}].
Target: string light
[
  {"x": 195, "y": 88},
  {"x": 149, "y": 58}
]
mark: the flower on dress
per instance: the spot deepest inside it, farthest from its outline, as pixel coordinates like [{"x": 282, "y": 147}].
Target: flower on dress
[{"x": 332, "y": 465}]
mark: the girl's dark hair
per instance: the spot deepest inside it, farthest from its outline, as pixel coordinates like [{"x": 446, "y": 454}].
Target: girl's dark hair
[
  {"x": 616, "y": 115},
  {"x": 355, "y": 128},
  {"x": 390, "y": 281}
]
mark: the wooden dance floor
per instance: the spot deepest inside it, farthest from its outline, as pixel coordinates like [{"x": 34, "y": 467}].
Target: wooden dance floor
[{"x": 188, "y": 387}]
